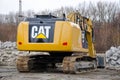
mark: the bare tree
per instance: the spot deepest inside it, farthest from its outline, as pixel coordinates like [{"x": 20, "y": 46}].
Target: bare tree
[{"x": 10, "y": 18}]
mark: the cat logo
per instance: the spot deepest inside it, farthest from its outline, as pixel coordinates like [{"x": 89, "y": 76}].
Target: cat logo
[{"x": 40, "y": 32}]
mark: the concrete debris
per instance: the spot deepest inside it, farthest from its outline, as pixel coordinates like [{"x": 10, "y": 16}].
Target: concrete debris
[
  {"x": 113, "y": 58},
  {"x": 7, "y": 45},
  {"x": 9, "y": 53}
]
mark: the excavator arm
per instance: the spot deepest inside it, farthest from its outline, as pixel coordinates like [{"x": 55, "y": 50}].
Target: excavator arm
[
  {"x": 89, "y": 37},
  {"x": 86, "y": 26}
]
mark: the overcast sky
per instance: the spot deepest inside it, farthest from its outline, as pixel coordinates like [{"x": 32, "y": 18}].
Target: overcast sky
[{"x": 7, "y": 6}]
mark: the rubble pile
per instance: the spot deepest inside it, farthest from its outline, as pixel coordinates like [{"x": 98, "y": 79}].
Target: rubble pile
[
  {"x": 113, "y": 58},
  {"x": 7, "y": 45},
  {"x": 8, "y": 53}
]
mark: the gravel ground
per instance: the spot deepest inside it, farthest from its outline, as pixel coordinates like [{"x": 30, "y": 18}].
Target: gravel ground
[
  {"x": 10, "y": 73},
  {"x": 8, "y": 54}
]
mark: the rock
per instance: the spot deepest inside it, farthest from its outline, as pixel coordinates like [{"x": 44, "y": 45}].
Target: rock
[
  {"x": 113, "y": 58},
  {"x": 108, "y": 53},
  {"x": 113, "y": 62},
  {"x": 118, "y": 61},
  {"x": 8, "y": 53},
  {"x": 119, "y": 47},
  {"x": 113, "y": 49}
]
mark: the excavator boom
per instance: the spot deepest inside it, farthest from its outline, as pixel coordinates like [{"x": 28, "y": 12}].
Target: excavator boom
[{"x": 86, "y": 27}]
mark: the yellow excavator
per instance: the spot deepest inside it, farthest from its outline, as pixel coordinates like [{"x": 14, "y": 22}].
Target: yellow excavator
[{"x": 68, "y": 41}]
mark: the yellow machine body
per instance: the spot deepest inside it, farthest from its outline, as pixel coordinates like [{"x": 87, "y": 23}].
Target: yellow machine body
[{"x": 67, "y": 37}]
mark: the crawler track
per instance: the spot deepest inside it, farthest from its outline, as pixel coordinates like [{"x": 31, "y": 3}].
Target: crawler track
[
  {"x": 70, "y": 64},
  {"x": 22, "y": 63}
]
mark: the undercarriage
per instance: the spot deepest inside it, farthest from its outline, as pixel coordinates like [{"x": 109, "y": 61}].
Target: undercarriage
[{"x": 67, "y": 63}]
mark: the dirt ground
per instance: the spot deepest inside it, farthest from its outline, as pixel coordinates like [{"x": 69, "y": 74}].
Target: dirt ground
[{"x": 10, "y": 73}]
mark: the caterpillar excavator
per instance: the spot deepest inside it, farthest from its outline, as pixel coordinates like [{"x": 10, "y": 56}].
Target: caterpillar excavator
[{"x": 68, "y": 42}]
